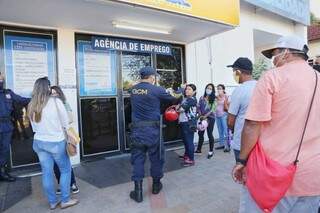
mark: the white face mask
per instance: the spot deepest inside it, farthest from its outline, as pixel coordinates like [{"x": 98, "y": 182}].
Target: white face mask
[
  {"x": 208, "y": 91},
  {"x": 279, "y": 54}
]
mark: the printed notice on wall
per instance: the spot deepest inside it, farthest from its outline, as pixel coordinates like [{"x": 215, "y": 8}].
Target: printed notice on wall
[
  {"x": 26, "y": 60},
  {"x": 96, "y": 71},
  {"x": 28, "y": 57}
]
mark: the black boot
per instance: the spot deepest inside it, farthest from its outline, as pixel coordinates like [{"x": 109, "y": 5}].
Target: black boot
[
  {"x": 136, "y": 195},
  {"x": 156, "y": 186},
  {"x": 5, "y": 176}
]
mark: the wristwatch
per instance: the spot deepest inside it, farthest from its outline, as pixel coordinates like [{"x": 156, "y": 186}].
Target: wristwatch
[{"x": 241, "y": 161}]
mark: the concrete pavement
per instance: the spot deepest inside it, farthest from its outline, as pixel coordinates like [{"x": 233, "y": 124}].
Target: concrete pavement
[{"x": 205, "y": 187}]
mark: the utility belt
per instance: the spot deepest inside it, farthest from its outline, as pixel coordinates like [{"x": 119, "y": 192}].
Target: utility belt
[
  {"x": 5, "y": 119},
  {"x": 141, "y": 124}
]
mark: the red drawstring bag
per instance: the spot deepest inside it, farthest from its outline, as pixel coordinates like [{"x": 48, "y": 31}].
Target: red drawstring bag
[{"x": 266, "y": 179}]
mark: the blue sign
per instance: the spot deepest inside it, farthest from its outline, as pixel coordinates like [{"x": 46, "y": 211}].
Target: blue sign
[
  {"x": 97, "y": 70},
  {"x": 28, "y": 58},
  {"x": 297, "y": 10},
  {"x": 106, "y": 43}
]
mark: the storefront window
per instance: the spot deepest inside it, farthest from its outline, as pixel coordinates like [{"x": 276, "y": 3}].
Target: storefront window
[
  {"x": 131, "y": 64},
  {"x": 28, "y": 55},
  {"x": 170, "y": 69}
]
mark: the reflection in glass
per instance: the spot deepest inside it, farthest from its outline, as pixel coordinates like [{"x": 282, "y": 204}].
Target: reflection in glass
[
  {"x": 99, "y": 125},
  {"x": 170, "y": 71},
  {"x": 127, "y": 115},
  {"x": 22, "y": 139},
  {"x": 131, "y": 64}
]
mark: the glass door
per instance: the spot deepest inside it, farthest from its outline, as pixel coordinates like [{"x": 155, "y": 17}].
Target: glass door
[
  {"x": 170, "y": 68},
  {"x": 98, "y": 99},
  {"x": 131, "y": 63}
]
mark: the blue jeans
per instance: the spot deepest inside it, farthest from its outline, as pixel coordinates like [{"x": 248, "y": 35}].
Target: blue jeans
[
  {"x": 187, "y": 137},
  {"x": 287, "y": 204},
  {"x": 236, "y": 154},
  {"x": 223, "y": 130},
  {"x": 48, "y": 153}
]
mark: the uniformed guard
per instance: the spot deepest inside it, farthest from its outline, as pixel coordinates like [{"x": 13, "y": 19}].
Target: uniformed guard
[
  {"x": 7, "y": 97},
  {"x": 145, "y": 131}
]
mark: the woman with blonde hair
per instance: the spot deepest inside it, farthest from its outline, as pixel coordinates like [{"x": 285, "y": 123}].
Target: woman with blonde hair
[{"x": 48, "y": 118}]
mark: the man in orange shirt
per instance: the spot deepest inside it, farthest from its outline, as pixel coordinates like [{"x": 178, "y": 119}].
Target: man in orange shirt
[{"x": 277, "y": 115}]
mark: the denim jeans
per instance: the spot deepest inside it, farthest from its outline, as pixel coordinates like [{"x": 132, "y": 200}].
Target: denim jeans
[
  {"x": 187, "y": 137},
  {"x": 287, "y": 204},
  {"x": 209, "y": 133},
  {"x": 48, "y": 153},
  {"x": 236, "y": 154},
  {"x": 223, "y": 130}
]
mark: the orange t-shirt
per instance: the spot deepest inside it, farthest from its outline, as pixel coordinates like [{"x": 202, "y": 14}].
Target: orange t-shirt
[{"x": 281, "y": 101}]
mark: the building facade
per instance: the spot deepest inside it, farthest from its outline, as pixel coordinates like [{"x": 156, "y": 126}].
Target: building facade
[{"x": 94, "y": 49}]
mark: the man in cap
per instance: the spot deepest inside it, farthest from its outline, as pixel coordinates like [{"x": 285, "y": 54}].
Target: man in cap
[
  {"x": 7, "y": 97},
  {"x": 242, "y": 72},
  {"x": 145, "y": 131},
  {"x": 277, "y": 115}
]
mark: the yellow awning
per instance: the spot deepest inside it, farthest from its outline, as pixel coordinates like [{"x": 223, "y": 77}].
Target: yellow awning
[{"x": 222, "y": 11}]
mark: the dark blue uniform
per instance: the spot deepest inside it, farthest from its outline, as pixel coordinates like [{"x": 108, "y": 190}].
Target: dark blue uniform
[
  {"x": 145, "y": 135},
  {"x": 7, "y": 97}
]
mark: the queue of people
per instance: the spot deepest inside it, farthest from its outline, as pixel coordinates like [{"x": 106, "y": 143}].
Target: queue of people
[{"x": 256, "y": 114}]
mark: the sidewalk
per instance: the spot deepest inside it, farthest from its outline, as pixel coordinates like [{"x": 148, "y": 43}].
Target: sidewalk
[{"x": 205, "y": 187}]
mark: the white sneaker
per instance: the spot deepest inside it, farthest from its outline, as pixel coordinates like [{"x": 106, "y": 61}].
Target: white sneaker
[
  {"x": 71, "y": 202},
  {"x": 54, "y": 206}
]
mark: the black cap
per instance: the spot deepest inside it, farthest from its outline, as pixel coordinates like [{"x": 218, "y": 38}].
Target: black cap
[
  {"x": 147, "y": 71},
  {"x": 242, "y": 64}
]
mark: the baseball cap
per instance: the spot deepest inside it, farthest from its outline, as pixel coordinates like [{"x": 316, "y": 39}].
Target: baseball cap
[
  {"x": 288, "y": 42},
  {"x": 242, "y": 63},
  {"x": 146, "y": 71}
]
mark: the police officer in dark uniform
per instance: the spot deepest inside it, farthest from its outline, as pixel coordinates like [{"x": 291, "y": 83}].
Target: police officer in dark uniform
[
  {"x": 145, "y": 131},
  {"x": 7, "y": 97}
]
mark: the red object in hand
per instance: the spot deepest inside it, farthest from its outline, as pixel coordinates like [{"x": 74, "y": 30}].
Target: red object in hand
[{"x": 171, "y": 114}]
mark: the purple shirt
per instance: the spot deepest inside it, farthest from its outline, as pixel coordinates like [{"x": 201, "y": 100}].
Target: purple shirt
[{"x": 204, "y": 108}]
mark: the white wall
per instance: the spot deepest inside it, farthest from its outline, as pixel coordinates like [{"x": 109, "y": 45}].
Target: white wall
[{"x": 67, "y": 75}]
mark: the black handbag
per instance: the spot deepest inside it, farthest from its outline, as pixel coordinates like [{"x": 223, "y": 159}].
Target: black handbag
[{"x": 193, "y": 124}]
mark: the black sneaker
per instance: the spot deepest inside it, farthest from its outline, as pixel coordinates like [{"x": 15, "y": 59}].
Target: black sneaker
[
  {"x": 58, "y": 192},
  {"x": 198, "y": 152},
  {"x": 210, "y": 155},
  {"x": 226, "y": 150},
  {"x": 75, "y": 189}
]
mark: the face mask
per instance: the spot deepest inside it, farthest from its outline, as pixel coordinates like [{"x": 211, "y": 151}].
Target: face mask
[
  {"x": 279, "y": 54},
  {"x": 208, "y": 91},
  {"x": 1, "y": 85},
  {"x": 236, "y": 77}
]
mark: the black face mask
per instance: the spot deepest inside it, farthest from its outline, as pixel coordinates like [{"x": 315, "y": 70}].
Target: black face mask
[
  {"x": 1, "y": 85},
  {"x": 316, "y": 67}
]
